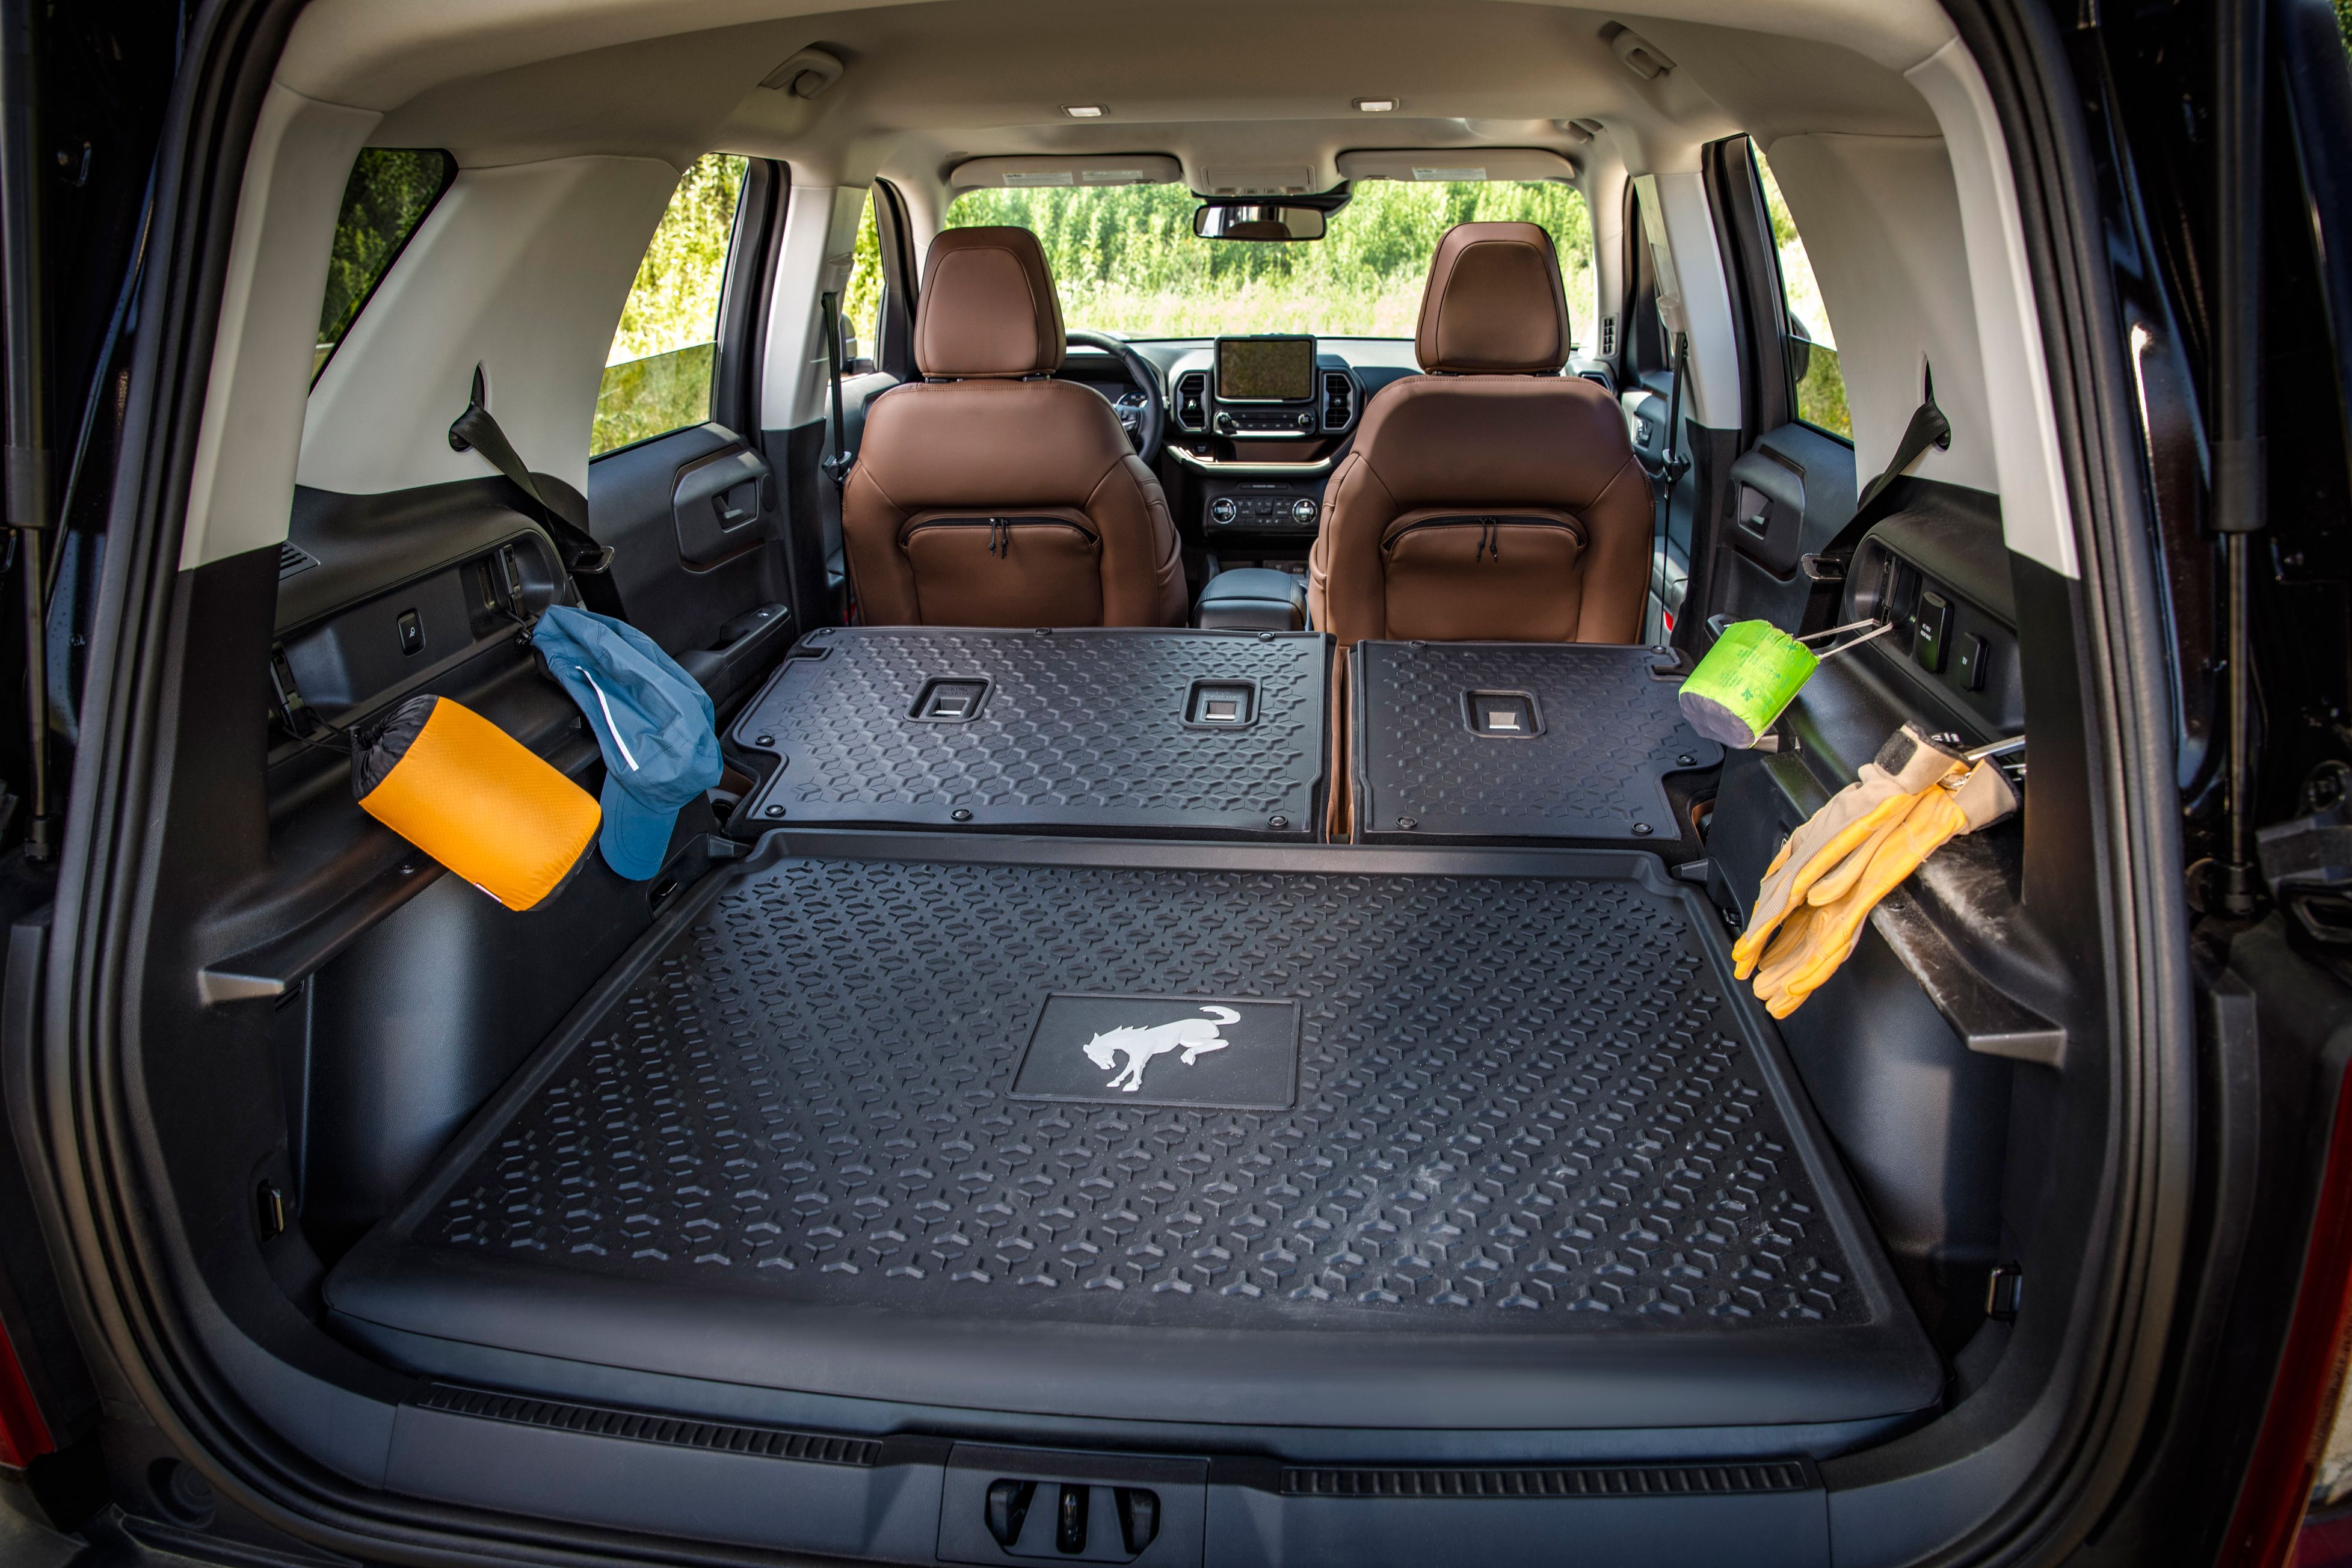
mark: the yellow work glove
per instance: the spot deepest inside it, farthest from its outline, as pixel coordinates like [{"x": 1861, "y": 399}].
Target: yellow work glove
[
  {"x": 1812, "y": 944},
  {"x": 1882, "y": 792}
]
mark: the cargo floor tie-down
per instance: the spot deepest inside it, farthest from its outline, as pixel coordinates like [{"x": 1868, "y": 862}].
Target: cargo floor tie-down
[{"x": 1297, "y": 1136}]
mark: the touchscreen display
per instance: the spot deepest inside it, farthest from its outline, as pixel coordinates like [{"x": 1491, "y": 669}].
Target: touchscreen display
[{"x": 1266, "y": 370}]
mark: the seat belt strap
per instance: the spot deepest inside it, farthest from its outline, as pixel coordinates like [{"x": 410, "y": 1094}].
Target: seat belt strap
[
  {"x": 837, "y": 458},
  {"x": 1827, "y": 569},
  {"x": 1671, "y": 466},
  {"x": 590, "y": 563}
]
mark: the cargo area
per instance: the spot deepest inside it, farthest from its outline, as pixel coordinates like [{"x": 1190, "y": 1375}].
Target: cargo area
[
  {"x": 934, "y": 805},
  {"x": 1489, "y": 1140}
]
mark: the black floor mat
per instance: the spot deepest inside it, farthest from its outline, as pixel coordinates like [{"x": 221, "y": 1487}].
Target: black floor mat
[
  {"x": 1499, "y": 742},
  {"x": 1123, "y": 730},
  {"x": 1520, "y": 1105}
]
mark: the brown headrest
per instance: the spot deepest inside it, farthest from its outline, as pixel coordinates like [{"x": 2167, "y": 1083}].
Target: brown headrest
[
  {"x": 1493, "y": 305},
  {"x": 988, "y": 307}
]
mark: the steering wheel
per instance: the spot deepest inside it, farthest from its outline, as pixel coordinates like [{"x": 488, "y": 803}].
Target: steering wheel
[{"x": 1146, "y": 423}]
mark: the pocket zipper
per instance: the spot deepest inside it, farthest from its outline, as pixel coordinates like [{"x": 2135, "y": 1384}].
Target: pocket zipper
[
  {"x": 1490, "y": 542},
  {"x": 1000, "y": 530}
]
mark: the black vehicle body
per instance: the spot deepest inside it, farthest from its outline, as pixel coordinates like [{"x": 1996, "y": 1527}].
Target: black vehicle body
[{"x": 2059, "y": 1167}]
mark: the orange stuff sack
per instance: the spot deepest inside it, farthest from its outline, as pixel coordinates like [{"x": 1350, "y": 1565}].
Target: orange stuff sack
[{"x": 477, "y": 799}]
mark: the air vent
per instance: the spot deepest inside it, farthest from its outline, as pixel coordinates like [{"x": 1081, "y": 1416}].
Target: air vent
[
  {"x": 1608, "y": 336},
  {"x": 292, "y": 559},
  {"x": 757, "y": 1442},
  {"x": 1192, "y": 401},
  {"x": 1599, "y": 379},
  {"x": 1339, "y": 400},
  {"x": 1583, "y": 1480}
]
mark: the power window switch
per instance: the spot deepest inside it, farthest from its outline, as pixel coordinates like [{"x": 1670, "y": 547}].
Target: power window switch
[{"x": 1968, "y": 664}]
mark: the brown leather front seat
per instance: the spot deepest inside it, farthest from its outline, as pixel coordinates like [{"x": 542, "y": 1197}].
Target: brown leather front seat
[
  {"x": 1492, "y": 500},
  {"x": 986, "y": 495}
]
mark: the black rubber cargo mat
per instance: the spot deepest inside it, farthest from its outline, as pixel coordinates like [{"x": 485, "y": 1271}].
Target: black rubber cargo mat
[
  {"x": 1522, "y": 1156},
  {"x": 1127, "y": 731},
  {"x": 1501, "y": 742}
]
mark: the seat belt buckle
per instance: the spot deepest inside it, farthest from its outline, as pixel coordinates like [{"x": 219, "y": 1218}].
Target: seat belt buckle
[
  {"x": 292, "y": 709},
  {"x": 837, "y": 468}
]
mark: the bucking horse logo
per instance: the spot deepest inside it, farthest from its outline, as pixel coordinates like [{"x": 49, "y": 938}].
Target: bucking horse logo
[{"x": 1195, "y": 1036}]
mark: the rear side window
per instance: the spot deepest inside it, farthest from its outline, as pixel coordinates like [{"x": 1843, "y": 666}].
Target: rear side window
[
  {"x": 861, "y": 298},
  {"x": 657, "y": 375},
  {"x": 391, "y": 189},
  {"x": 1811, "y": 347}
]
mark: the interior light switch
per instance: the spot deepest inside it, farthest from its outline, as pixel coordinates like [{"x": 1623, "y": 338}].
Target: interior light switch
[{"x": 1931, "y": 632}]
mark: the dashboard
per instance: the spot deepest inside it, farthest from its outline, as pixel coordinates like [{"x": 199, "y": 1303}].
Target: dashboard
[{"x": 1256, "y": 423}]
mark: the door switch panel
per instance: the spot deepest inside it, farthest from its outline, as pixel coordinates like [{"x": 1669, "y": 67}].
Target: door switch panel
[{"x": 1944, "y": 585}]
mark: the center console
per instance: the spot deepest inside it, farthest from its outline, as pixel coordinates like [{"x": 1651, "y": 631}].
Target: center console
[
  {"x": 1263, "y": 389},
  {"x": 1266, "y": 389}
]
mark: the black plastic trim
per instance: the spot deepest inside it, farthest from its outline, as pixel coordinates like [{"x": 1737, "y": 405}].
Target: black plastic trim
[
  {"x": 1560, "y": 1482},
  {"x": 649, "y": 1426}
]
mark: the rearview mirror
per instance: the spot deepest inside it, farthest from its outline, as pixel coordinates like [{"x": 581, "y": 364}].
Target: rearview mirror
[{"x": 1256, "y": 220}]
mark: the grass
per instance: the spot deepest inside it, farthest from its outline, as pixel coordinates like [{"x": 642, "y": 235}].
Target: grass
[{"x": 1125, "y": 259}]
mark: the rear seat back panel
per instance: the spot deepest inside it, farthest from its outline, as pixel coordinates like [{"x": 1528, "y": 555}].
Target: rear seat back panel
[
  {"x": 1124, "y": 731},
  {"x": 1498, "y": 742}
]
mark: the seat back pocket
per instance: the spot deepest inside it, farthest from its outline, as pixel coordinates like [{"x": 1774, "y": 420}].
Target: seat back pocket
[
  {"x": 1005, "y": 571},
  {"x": 1499, "y": 577}
]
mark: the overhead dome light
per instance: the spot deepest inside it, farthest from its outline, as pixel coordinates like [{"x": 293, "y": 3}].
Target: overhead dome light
[
  {"x": 1376, "y": 105},
  {"x": 1083, "y": 111}
]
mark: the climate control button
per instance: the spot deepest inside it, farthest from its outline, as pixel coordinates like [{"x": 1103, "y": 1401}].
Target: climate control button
[
  {"x": 1302, "y": 511},
  {"x": 1222, "y": 511}
]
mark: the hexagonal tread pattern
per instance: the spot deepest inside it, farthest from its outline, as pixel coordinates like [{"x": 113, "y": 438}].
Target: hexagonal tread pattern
[
  {"x": 1524, "y": 1104},
  {"x": 1080, "y": 731},
  {"x": 1611, "y": 733}
]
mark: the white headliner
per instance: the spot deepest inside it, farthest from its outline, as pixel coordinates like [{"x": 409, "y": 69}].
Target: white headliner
[
  {"x": 934, "y": 81},
  {"x": 929, "y": 84}
]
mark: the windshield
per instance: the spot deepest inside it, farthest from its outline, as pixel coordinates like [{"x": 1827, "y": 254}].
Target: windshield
[{"x": 1126, "y": 260}]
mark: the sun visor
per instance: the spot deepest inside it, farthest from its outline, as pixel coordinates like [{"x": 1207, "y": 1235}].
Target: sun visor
[
  {"x": 1451, "y": 163},
  {"x": 1092, "y": 169}
]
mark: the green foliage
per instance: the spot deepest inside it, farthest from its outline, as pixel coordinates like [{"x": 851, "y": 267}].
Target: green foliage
[
  {"x": 390, "y": 191},
  {"x": 652, "y": 397},
  {"x": 861, "y": 298},
  {"x": 657, "y": 375},
  {"x": 675, "y": 301},
  {"x": 1821, "y": 390},
  {"x": 1125, "y": 259},
  {"x": 1821, "y": 393}
]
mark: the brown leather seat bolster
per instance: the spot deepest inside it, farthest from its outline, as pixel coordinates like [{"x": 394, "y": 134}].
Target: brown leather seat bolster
[
  {"x": 1549, "y": 447},
  {"x": 983, "y": 440},
  {"x": 1005, "y": 448}
]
